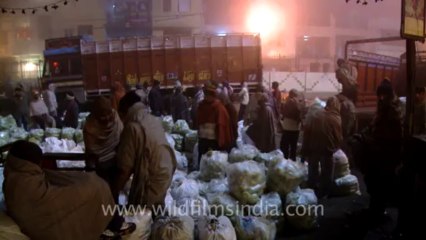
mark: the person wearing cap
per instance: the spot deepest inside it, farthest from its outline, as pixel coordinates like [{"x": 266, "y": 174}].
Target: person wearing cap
[
  {"x": 322, "y": 136},
  {"x": 179, "y": 105},
  {"x": 144, "y": 152},
  {"x": 347, "y": 75},
  {"x": 155, "y": 99},
  {"x": 213, "y": 124},
  {"x": 70, "y": 115},
  {"x": 384, "y": 138},
  {"x": 262, "y": 131},
  {"x": 292, "y": 117},
  {"x": 38, "y": 111},
  {"x": 52, "y": 205},
  {"x": 419, "y": 118}
]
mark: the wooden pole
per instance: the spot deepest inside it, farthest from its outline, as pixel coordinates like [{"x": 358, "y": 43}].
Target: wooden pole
[{"x": 411, "y": 76}]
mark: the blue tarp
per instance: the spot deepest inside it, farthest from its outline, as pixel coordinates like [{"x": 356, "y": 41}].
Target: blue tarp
[{"x": 64, "y": 50}]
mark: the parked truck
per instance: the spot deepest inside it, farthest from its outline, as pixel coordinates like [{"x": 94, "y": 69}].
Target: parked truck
[{"x": 88, "y": 68}]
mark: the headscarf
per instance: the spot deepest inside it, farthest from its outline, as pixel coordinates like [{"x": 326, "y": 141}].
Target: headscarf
[{"x": 333, "y": 105}]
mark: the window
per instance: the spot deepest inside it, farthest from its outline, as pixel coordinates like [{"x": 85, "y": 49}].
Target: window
[
  {"x": 85, "y": 30},
  {"x": 167, "y": 5},
  {"x": 184, "y": 5}
]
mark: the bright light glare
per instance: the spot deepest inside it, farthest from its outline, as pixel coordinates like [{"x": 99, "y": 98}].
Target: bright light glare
[
  {"x": 264, "y": 19},
  {"x": 30, "y": 67}
]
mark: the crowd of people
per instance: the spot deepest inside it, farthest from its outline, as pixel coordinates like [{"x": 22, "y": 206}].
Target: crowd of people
[{"x": 123, "y": 136}]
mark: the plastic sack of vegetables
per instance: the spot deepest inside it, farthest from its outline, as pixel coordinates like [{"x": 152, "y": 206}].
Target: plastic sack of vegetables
[
  {"x": 191, "y": 139},
  {"x": 341, "y": 164},
  {"x": 213, "y": 165},
  {"x": 143, "y": 221},
  {"x": 168, "y": 124},
  {"x": 246, "y": 152},
  {"x": 178, "y": 178},
  {"x": 78, "y": 136},
  {"x": 269, "y": 206},
  {"x": 181, "y": 127},
  {"x": 175, "y": 227},
  {"x": 194, "y": 175},
  {"x": 178, "y": 141},
  {"x": 194, "y": 207},
  {"x": 67, "y": 133},
  {"x": 170, "y": 140},
  {"x": 222, "y": 204},
  {"x": 347, "y": 185},
  {"x": 53, "y": 132},
  {"x": 216, "y": 228},
  {"x": 7, "y": 123},
  {"x": 218, "y": 186},
  {"x": 18, "y": 134},
  {"x": 188, "y": 188},
  {"x": 182, "y": 162},
  {"x": 267, "y": 158},
  {"x": 246, "y": 181},
  {"x": 37, "y": 134},
  {"x": 307, "y": 199},
  {"x": 4, "y": 138},
  {"x": 251, "y": 228},
  {"x": 284, "y": 176}
]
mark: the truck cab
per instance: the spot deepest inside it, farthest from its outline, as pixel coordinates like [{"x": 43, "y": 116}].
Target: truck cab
[{"x": 63, "y": 66}]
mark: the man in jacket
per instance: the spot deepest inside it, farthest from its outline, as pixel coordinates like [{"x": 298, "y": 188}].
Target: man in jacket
[
  {"x": 179, "y": 105},
  {"x": 144, "y": 152},
  {"x": 244, "y": 98},
  {"x": 214, "y": 130},
  {"x": 291, "y": 112},
  {"x": 347, "y": 76},
  {"x": 322, "y": 137},
  {"x": 156, "y": 99},
  {"x": 70, "y": 114}
]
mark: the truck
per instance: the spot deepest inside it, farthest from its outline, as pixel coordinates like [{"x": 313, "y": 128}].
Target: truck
[{"x": 88, "y": 67}]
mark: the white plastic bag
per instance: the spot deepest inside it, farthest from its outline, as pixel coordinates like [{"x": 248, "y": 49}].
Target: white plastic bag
[
  {"x": 347, "y": 185},
  {"x": 181, "y": 127},
  {"x": 195, "y": 207},
  {"x": 168, "y": 124},
  {"x": 216, "y": 228},
  {"x": 143, "y": 221},
  {"x": 182, "y": 161},
  {"x": 269, "y": 206},
  {"x": 267, "y": 158},
  {"x": 213, "y": 165},
  {"x": 170, "y": 140},
  {"x": 178, "y": 178},
  {"x": 253, "y": 228},
  {"x": 284, "y": 176},
  {"x": 222, "y": 204},
  {"x": 191, "y": 139},
  {"x": 174, "y": 227},
  {"x": 218, "y": 186},
  {"x": 246, "y": 181},
  {"x": 245, "y": 152},
  {"x": 187, "y": 189},
  {"x": 341, "y": 164},
  {"x": 178, "y": 141},
  {"x": 307, "y": 199}
]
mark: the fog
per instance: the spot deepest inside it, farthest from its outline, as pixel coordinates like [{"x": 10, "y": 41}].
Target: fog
[{"x": 300, "y": 29}]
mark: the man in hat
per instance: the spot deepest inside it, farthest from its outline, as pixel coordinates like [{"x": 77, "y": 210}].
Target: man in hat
[
  {"x": 155, "y": 99},
  {"x": 53, "y": 205},
  {"x": 70, "y": 114},
  {"x": 322, "y": 136},
  {"x": 214, "y": 130},
  {"x": 144, "y": 152}
]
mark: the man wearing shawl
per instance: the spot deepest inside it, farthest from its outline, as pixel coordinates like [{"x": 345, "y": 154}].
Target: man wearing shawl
[
  {"x": 101, "y": 138},
  {"x": 144, "y": 152},
  {"x": 322, "y": 137},
  {"x": 262, "y": 131},
  {"x": 48, "y": 205}
]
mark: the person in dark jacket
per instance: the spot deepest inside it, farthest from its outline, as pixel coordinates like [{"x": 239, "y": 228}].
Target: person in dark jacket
[
  {"x": 20, "y": 108},
  {"x": 262, "y": 131},
  {"x": 71, "y": 111},
  {"x": 384, "y": 138},
  {"x": 156, "y": 99},
  {"x": 233, "y": 118},
  {"x": 179, "y": 105},
  {"x": 198, "y": 97},
  {"x": 291, "y": 112}
]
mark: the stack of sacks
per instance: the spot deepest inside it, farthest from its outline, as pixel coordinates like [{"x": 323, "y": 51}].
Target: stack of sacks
[{"x": 345, "y": 182}]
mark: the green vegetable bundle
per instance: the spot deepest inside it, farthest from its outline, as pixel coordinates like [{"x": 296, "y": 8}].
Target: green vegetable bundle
[{"x": 213, "y": 165}]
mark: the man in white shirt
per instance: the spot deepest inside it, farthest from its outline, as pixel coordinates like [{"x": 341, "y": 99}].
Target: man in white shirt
[
  {"x": 244, "y": 97},
  {"x": 50, "y": 100},
  {"x": 38, "y": 111}
]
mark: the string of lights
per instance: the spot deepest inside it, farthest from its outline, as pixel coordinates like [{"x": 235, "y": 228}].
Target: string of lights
[
  {"x": 364, "y": 2},
  {"x": 33, "y": 10}
]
